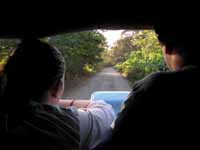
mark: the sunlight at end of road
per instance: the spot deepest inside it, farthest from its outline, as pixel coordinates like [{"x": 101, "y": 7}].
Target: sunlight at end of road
[{"x": 111, "y": 73}]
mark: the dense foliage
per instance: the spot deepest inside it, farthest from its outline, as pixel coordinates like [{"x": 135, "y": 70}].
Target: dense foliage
[
  {"x": 135, "y": 55},
  {"x": 144, "y": 58},
  {"x": 6, "y": 47},
  {"x": 82, "y": 51}
]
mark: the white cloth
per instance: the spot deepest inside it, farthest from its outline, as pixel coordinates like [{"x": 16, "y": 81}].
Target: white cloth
[{"x": 95, "y": 123}]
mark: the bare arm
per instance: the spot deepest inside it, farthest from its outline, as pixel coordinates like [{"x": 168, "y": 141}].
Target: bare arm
[{"x": 76, "y": 103}]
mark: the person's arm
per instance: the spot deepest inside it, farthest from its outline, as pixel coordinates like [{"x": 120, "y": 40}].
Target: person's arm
[
  {"x": 76, "y": 103},
  {"x": 95, "y": 123},
  {"x": 95, "y": 120}
]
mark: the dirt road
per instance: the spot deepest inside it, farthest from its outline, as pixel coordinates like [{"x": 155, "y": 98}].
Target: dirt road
[{"x": 106, "y": 80}]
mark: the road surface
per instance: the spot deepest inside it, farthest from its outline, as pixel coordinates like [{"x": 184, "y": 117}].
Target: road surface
[{"x": 106, "y": 80}]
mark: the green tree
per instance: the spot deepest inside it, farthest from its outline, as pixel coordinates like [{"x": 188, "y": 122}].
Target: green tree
[
  {"x": 122, "y": 49},
  {"x": 146, "y": 59},
  {"x": 82, "y": 50},
  {"x": 6, "y": 47}
]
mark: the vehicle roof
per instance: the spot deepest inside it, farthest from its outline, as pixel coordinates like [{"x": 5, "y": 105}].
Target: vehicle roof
[
  {"x": 44, "y": 20},
  {"x": 45, "y": 27}
]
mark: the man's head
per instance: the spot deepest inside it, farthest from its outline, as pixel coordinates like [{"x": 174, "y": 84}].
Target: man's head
[
  {"x": 179, "y": 42},
  {"x": 34, "y": 72}
]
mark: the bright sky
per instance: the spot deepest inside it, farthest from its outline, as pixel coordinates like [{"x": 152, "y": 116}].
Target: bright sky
[{"x": 111, "y": 36}]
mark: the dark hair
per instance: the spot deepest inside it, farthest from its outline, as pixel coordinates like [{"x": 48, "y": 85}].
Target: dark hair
[
  {"x": 178, "y": 34},
  {"x": 34, "y": 67}
]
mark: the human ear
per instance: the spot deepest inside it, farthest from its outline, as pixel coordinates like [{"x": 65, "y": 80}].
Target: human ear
[
  {"x": 54, "y": 89},
  {"x": 60, "y": 88},
  {"x": 167, "y": 50}
]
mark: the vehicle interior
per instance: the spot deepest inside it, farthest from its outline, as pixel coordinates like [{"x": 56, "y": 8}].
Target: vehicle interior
[{"x": 33, "y": 28}]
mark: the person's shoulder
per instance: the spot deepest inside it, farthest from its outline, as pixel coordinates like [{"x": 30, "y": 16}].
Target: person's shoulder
[
  {"x": 53, "y": 111},
  {"x": 61, "y": 116},
  {"x": 151, "y": 80},
  {"x": 57, "y": 122},
  {"x": 143, "y": 87},
  {"x": 61, "y": 112}
]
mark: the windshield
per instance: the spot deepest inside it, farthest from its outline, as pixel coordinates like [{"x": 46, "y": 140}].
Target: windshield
[{"x": 101, "y": 60}]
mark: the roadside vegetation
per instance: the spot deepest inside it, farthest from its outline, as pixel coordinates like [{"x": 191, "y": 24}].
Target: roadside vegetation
[
  {"x": 82, "y": 51},
  {"x": 137, "y": 55},
  {"x": 6, "y": 48}
]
